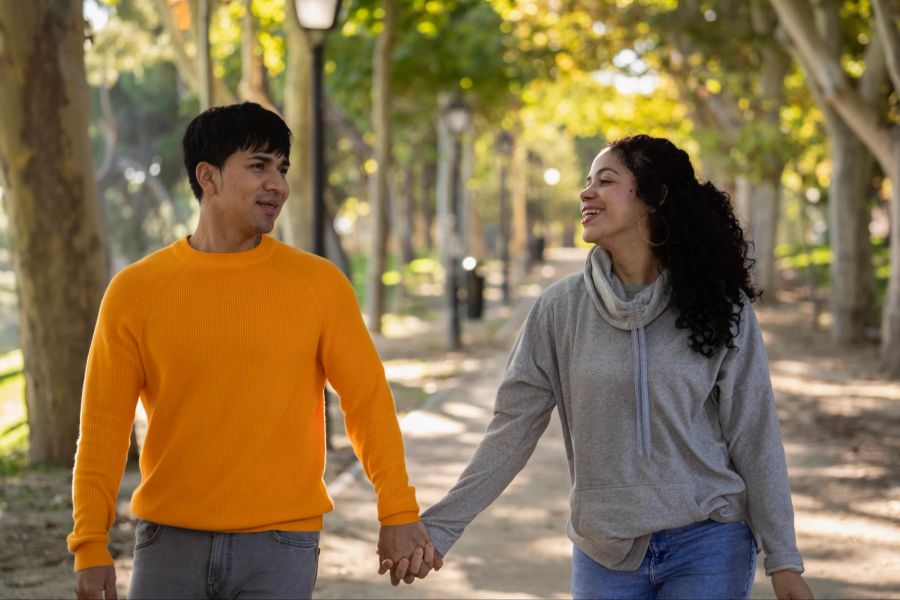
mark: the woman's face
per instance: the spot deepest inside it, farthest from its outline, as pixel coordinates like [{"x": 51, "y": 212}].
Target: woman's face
[{"x": 611, "y": 212}]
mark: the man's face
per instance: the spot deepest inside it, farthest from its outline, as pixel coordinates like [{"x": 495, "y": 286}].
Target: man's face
[{"x": 251, "y": 189}]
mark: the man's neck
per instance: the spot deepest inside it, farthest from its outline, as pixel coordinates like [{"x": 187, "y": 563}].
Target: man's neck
[{"x": 207, "y": 239}]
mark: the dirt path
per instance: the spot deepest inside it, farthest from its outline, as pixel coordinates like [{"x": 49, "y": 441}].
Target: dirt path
[{"x": 840, "y": 422}]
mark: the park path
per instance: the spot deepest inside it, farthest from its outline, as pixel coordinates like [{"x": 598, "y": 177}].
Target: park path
[{"x": 840, "y": 424}]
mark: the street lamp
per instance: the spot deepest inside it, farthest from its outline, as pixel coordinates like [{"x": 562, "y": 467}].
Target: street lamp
[
  {"x": 504, "y": 148},
  {"x": 456, "y": 118},
  {"x": 317, "y": 17}
]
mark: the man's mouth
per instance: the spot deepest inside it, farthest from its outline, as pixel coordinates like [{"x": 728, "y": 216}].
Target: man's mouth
[{"x": 270, "y": 208}]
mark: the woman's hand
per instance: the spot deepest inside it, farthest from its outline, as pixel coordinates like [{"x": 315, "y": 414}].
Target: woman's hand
[{"x": 789, "y": 585}]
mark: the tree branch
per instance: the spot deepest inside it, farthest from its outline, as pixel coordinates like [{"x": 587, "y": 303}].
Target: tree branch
[
  {"x": 859, "y": 116},
  {"x": 886, "y": 24}
]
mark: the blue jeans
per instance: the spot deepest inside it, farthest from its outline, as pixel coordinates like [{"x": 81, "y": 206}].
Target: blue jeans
[
  {"x": 170, "y": 562},
  {"x": 703, "y": 560}
]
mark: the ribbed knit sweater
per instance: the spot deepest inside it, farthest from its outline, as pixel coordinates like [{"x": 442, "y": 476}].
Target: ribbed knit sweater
[{"x": 229, "y": 354}]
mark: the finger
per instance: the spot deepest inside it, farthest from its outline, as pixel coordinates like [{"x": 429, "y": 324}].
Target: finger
[
  {"x": 395, "y": 581},
  {"x": 429, "y": 554},
  {"x": 416, "y": 562},
  {"x": 438, "y": 562},
  {"x": 409, "y": 578},
  {"x": 385, "y": 566},
  {"x": 402, "y": 568}
]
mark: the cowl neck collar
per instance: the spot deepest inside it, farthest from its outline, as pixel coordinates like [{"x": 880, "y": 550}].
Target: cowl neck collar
[{"x": 608, "y": 294}]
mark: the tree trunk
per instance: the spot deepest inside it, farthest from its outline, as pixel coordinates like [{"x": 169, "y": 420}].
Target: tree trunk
[
  {"x": 253, "y": 85},
  {"x": 473, "y": 225},
  {"x": 296, "y": 222},
  {"x": 204, "y": 64},
  {"x": 742, "y": 200},
  {"x": 518, "y": 194},
  {"x": 766, "y": 200},
  {"x": 428, "y": 191},
  {"x": 381, "y": 120},
  {"x": 767, "y": 196},
  {"x": 408, "y": 219},
  {"x": 852, "y": 275},
  {"x": 54, "y": 215},
  {"x": 890, "y": 319}
]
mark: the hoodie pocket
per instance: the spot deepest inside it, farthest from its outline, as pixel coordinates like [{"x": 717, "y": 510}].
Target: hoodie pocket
[{"x": 611, "y": 517}]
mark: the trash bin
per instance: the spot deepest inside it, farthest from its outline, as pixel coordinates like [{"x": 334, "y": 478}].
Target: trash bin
[
  {"x": 536, "y": 250},
  {"x": 474, "y": 289}
]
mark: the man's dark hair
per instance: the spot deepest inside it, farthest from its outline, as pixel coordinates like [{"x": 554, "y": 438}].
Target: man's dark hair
[{"x": 217, "y": 133}]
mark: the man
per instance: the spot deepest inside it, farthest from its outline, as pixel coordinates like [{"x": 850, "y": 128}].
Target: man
[{"x": 227, "y": 337}]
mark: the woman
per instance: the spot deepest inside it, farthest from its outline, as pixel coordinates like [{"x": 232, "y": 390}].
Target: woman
[{"x": 654, "y": 360}]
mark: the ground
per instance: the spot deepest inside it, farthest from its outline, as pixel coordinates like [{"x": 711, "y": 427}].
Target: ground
[{"x": 840, "y": 422}]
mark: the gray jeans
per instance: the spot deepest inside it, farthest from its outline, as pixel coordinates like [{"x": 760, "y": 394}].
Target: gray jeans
[{"x": 170, "y": 562}]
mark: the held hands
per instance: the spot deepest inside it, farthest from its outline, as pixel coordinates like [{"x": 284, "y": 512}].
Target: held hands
[
  {"x": 407, "y": 552},
  {"x": 789, "y": 585},
  {"x": 93, "y": 583}
]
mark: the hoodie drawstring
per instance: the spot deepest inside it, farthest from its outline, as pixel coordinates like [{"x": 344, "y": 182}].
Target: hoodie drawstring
[{"x": 641, "y": 391}]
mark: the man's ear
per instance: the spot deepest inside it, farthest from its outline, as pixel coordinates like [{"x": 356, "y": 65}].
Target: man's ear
[{"x": 206, "y": 175}]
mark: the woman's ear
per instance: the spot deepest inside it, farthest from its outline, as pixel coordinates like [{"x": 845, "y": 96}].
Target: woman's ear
[{"x": 206, "y": 177}]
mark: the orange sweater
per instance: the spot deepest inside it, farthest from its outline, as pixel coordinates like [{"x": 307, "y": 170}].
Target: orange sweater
[{"x": 229, "y": 354}]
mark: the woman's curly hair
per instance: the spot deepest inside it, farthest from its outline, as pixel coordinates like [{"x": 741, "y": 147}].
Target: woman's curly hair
[{"x": 695, "y": 235}]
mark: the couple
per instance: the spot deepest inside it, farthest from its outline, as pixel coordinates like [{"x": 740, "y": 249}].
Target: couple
[{"x": 228, "y": 337}]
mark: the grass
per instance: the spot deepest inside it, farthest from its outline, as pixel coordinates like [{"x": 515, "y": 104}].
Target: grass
[{"x": 13, "y": 421}]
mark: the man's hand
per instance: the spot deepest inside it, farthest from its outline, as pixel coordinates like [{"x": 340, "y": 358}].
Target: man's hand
[
  {"x": 789, "y": 585},
  {"x": 408, "y": 548},
  {"x": 96, "y": 583}
]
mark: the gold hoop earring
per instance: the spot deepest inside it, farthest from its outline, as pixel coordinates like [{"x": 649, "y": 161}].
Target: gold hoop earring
[{"x": 651, "y": 243}]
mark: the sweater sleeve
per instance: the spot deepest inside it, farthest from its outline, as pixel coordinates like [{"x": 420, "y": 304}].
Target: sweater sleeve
[
  {"x": 352, "y": 365},
  {"x": 113, "y": 379},
  {"x": 750, "y": 426},
  {"x": 522, "y": 412}
]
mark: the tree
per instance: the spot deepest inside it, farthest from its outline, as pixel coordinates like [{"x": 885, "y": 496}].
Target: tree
[
  {"x": 853, "y": 306},
  {"x": 58, "y": 246},
  {"x": 875, "y": 127},
  {"x": 381, "y": 119}
]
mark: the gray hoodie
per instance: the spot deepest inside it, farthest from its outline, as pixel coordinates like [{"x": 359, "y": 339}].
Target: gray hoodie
[{"x": 657, "y": 436}]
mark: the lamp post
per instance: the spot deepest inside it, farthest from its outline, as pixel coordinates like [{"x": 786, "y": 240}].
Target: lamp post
[
  {"x": 317, "y": 17},
  {"x": 456, "y": 117},
  {"x": 504, "y": 147}
]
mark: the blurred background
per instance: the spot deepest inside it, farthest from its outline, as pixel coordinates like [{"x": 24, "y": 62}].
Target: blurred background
[{"x": 439, "y": 148}]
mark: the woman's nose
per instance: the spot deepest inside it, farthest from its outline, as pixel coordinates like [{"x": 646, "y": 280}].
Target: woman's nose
[{"x": 587, "y": 193}]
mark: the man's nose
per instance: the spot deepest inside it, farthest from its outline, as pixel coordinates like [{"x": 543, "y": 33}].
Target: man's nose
[{"x": 277, "y": 183}]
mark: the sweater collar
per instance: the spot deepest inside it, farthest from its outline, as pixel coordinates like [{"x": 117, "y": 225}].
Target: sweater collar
[
  {"x": 258, "y": 253},
  {"x": 608, "y": 294}
]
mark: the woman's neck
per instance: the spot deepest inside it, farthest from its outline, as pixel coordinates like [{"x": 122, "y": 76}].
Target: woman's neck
[{"x": 636, "y": 266}]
